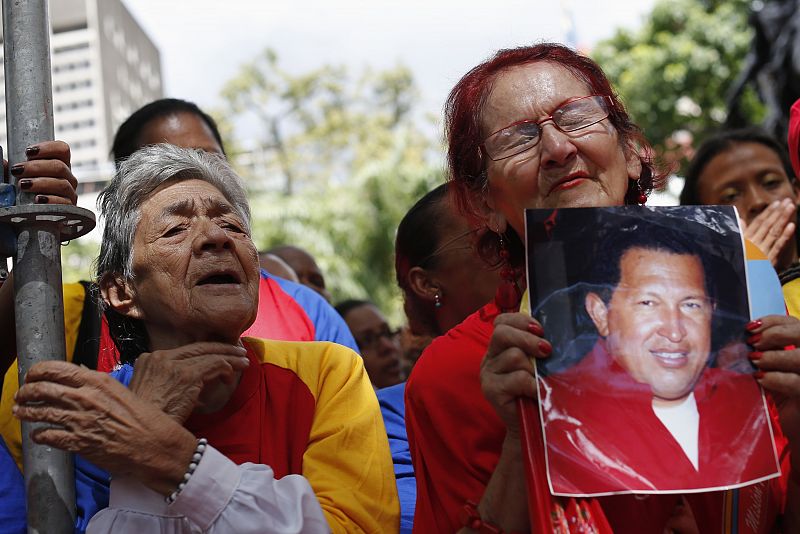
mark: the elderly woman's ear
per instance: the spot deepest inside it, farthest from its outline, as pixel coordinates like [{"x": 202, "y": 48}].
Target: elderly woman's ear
[
  {"x": 634, "y": 162},
  {"x": 119, "y": 294},
  {"x": 490, "y": 214}
]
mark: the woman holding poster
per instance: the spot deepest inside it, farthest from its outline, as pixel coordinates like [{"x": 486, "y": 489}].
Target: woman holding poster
[{"x": 541, "y": 127}]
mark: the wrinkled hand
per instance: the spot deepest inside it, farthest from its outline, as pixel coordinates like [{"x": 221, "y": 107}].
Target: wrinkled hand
[
  {"x": 175, "y": 380},
  {"x": 772, "y": 229},
  {"x": 100, "y": 419},
  {"x": 47, "y": 173},
  {"x": 507, "y": 370},
  {"x": 780, "y": 370}
]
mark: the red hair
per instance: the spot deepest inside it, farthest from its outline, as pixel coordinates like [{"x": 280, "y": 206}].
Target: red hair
[{"x": 464, "y": 132}]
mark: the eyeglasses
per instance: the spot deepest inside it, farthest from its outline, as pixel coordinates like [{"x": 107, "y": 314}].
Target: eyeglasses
[
  {"x": 370, "y": 340},
  {"x": 572, "y": 115}
]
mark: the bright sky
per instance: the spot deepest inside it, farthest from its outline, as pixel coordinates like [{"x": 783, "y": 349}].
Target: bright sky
[{"x": 203, "y": 42}]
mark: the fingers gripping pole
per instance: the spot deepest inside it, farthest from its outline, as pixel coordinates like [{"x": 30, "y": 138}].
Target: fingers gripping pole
[{"x": 49, "y": 475}]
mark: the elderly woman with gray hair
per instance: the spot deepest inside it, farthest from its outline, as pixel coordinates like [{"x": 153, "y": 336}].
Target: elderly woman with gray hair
[{"x": 179, "y": 276}]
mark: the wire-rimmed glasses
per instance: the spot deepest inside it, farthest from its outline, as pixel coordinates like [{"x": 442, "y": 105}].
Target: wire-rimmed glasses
[{"x": 574, "y": 114}]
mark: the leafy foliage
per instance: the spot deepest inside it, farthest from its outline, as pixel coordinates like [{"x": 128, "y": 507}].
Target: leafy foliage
[
  {"x": 339, "y": 161},
  {"x": 674, "y": 73},
  {"x": 77, "y": 259}
]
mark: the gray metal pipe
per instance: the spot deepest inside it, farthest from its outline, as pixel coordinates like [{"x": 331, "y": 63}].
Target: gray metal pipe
[{"x": 49, "y": 473}]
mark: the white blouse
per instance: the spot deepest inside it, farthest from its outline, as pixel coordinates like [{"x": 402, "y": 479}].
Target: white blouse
[{"x": 220, "y": 497}]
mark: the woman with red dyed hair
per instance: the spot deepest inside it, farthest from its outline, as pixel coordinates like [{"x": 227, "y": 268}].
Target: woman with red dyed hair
[{"x": 541, "y": 127}]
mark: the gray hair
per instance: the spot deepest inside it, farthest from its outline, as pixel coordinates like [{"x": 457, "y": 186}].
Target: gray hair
[{"x": 138, "y": 177}]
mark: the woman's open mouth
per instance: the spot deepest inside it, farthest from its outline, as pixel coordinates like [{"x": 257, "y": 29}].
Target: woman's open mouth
[{"x": 219, "y": 278}]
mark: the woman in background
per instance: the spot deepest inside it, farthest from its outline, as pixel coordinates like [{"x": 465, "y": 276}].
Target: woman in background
[
  {"x": 749, "y": 169},
  {"x": 443, "y": 281}
]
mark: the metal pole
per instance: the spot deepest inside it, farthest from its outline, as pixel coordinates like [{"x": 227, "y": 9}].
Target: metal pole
[{"x": 49, "y": 473}]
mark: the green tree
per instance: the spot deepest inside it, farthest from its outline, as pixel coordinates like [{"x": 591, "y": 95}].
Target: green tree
[
  {"x": 348, "y": 158},
  {"x": 77, "y": 259},
  {"x": 675, "y": 71}
]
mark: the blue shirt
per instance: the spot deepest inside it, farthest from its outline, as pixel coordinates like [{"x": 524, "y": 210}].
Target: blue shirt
[
  {"x": 393, "y": 409},
  {"x": 12, "y": 494}
]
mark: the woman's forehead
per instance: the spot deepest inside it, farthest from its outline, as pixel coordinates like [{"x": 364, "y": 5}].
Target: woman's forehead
[
  {"x": 529, "y": 91},
  {"x": 185, "y": 196}
]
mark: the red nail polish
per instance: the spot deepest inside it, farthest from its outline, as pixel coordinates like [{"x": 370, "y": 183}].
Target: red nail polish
[
  {"x": 16, "y": 170},
  {"x": 753, "y": 325},
  {"x": 535, "y": 329},
  {"x": 755, "y": 338},
  {"x": 41, "y": 199},
  {"x": 756, "y": 355},
  {"x": 758, "y": 375},
  {"x": 25, "y": 184},
  {"x": 545, "y": 348},
  {"x": 32, "y": 150}
]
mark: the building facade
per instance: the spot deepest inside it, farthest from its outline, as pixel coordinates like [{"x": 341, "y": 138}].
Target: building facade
[{"x": 104, "y": 67}]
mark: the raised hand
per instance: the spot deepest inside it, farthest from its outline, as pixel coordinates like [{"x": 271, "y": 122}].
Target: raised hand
[
  {"x": 774, "y": 339},
  {"x": 507, "y": 369},
  {"x": 772, "y": 229},
  {"x": 100, "y": 419},
  {"x": 183, "y": 379}
]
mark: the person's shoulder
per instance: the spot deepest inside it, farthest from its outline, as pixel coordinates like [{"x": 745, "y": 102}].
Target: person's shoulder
[
  {"x": 310, "y": 360},
  {"x": 302, "y": 294},
  {"x": 462, "y": 345},
  {"x": 325, "y": 322}
]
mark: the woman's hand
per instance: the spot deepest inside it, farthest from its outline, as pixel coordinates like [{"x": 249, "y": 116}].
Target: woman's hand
[
  {"x": 97, "y": 417},
  {"x": 779, "y": 371},
  {"x": 507, "y": 370},
  {"x": 176, "y": 380},
  {"x": 772, "y": 229},
  {"x": 47, "y": 173}
]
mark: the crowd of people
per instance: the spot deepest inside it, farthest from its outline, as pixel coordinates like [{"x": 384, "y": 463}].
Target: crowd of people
[{"x": 211, "y": 387}]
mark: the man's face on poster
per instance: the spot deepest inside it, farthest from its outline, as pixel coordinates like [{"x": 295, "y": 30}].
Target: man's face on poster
[{"x": 657, "y": 323}]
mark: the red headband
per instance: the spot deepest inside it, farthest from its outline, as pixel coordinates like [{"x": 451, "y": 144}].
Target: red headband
[{"x": 794, "y": 137}]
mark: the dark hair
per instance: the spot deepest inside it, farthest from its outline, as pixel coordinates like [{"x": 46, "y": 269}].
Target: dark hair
[
  {"x": 126, "y": 140},
  {"x": 464, "y": 132},
  {"x": 722, "y": 142},
  {"x": 346, "y": 306},
  {"x": 661, "y": 234},
  {"x": 418, "y": 237},
  {"x": 606, "y": 274}
]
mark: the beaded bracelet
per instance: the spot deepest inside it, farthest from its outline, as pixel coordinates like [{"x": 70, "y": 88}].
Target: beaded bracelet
[{"x": 196, "y": 457}]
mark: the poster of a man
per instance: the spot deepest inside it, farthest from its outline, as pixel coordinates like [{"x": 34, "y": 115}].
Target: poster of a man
[{"x": 635, "y": 398}]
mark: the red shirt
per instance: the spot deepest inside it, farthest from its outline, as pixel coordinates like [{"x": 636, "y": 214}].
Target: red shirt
[{"x": 456, "y": 438}]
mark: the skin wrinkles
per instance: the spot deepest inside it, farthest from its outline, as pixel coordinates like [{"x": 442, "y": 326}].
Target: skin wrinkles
[
  {"x": 531, "y": 179},
  {"x": 657, "y": 324},
  {"x": 186, "y": 209},
  {"x": 173, "y": 252}
]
